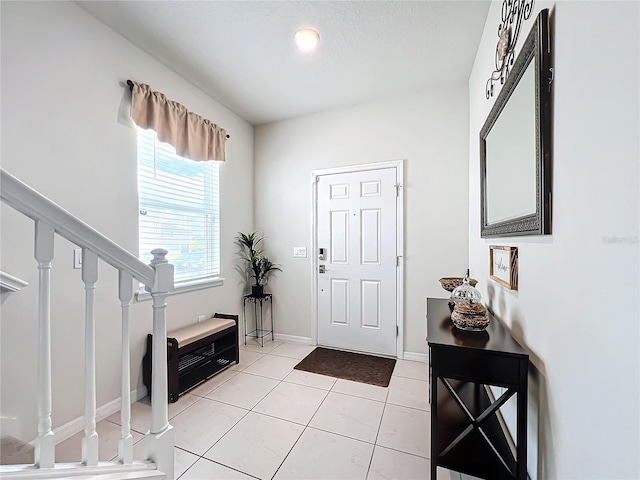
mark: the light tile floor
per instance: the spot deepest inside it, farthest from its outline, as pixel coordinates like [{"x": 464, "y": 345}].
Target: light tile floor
[{"x": 262, "y": 419}]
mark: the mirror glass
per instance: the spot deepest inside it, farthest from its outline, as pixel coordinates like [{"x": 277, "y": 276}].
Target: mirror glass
[
  {"x": 515, "y": 145},
  {"x": 511, "y": 148}
]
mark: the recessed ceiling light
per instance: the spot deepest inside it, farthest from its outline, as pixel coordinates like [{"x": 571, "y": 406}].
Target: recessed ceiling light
[{"x": 307, "y": 40}]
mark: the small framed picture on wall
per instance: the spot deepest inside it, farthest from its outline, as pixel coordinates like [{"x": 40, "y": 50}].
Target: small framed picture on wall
[{"x": 503, "y": 265}]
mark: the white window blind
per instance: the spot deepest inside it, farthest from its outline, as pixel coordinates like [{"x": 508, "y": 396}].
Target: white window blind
[{"x": 178, "y": 210}]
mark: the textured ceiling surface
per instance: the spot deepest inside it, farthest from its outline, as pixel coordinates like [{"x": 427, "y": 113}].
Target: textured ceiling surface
[{"x": 242, "y": 54}]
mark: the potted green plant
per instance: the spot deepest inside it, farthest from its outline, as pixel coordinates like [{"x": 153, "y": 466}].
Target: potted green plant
[{"x": 258, "y": 266}]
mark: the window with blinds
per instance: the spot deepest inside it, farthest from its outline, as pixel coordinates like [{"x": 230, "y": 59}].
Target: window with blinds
[{"x": 179, "y": 206}]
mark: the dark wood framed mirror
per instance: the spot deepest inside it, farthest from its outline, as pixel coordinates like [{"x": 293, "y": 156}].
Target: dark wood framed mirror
[{"x": 515, "y": 145}]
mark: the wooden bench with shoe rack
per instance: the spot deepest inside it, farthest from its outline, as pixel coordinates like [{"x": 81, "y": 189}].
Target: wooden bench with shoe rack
[{"x": 196, "y": 352}]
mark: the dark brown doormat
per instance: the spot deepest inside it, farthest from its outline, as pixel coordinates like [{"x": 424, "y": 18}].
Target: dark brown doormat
[{"x": 350, "y": 366}]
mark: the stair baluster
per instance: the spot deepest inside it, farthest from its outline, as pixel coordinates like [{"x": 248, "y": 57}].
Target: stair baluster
[
  {"x": 90, "y": 440},
  {"x": 125, "y": 446},
  {"x": 46, "y": 444}
]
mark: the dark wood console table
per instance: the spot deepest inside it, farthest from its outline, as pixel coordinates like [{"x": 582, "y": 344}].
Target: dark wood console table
[{"x": 466, "y": 435}]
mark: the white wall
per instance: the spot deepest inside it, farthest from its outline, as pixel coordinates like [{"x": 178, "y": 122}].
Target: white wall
[
  {"x": 576, "y": 309},
  {"x": 61, "y": 93},
  {"x": 429, "y": 131}
]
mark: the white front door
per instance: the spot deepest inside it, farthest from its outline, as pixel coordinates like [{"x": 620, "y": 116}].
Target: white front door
[{"x": 356, "y": 278}]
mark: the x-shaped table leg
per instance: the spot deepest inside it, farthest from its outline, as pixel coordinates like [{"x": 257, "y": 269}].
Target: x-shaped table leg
[{"x": 476, "y": 423}]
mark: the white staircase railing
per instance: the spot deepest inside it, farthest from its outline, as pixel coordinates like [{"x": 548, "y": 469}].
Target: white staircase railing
[{"x": 51, "y": 219}]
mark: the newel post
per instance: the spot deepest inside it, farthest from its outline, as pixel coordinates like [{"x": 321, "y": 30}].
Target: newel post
[{"x": 159, "y": 441}]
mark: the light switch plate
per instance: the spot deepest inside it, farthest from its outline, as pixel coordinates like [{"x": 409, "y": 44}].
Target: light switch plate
[
  {"x": 300, "y": 252},
  {"x": 77, "y": 258}
]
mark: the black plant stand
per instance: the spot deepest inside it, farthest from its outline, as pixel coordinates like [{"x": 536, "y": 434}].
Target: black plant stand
[{"x": 258, "y": 315}]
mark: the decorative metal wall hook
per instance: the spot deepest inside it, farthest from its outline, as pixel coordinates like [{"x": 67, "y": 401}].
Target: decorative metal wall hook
[{"x": 513, "y": 13}]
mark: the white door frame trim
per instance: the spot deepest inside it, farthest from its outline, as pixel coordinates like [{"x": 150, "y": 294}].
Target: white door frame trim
[{"x": 399, "y": 166}]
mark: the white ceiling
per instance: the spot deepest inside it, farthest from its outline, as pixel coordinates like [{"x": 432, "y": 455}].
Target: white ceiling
[{"x": 241, "y": 52}]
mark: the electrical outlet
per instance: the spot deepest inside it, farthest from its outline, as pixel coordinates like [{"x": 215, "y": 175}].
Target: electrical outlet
[
  {"x": 300, "y": 252},
  {"x": 201, "y": 318}
]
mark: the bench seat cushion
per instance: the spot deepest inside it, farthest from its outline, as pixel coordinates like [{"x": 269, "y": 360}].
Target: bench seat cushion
[{"x": 193, "y": 333}]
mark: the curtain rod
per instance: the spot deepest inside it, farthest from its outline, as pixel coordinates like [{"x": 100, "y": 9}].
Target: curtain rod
[{"x": 130, "y": 84}]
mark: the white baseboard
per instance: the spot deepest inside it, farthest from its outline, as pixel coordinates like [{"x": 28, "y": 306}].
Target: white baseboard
[
  {"x": 11, "y": 283},
  {"x": 292, "y": 339},
  {"x": 76, "y": 425},
  {"x": 9, "y": 426},
  {"x": 416, "y": 357}
]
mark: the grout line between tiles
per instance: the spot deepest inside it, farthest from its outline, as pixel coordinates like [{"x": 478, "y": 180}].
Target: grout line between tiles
[
  {"x": 198, "y": 398},
  {"x": 402, "y": 451},
  {"x": 273, "y": 352},
  {"x": 263, "y": 376},
  {"x": 292, "y": 421},
  {"x": 305, "y": 426},
  {"x": 223, "y": 435},
  {"x": 188, "y": 451},
  {"x": 320, "y": 405},
  {"x": 405, "y": 406},
  {"x": 341, "y": 435},
  {"x": 280, "y": 418},
  {"x": 237, "y": 406},
  {"x": 289, "y": 452},
  {"x": 230, "y": 468},
  {"x": 257, "y": 375},
  {"x": 358, "y": 396},
  {"x": 185, "y": 450},
  {"x": 115, "y": 423},
  {"x": 304, "y": 384},
  {"x": 377, "y": 434},
  {"x": 287, "y": 382},
  {"x": 411, "y": 378},
  {"x": 190, "y": 392},
  {"x": 373, "y": 452},
  {"x": 412, "y": 408}
]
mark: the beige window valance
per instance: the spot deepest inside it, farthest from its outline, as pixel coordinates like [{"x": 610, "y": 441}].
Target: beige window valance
[{"x": 190, "y": 134}]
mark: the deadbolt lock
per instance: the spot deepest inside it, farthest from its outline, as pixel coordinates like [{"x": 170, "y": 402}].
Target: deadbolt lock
[{"x": 321, "y": 269}]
